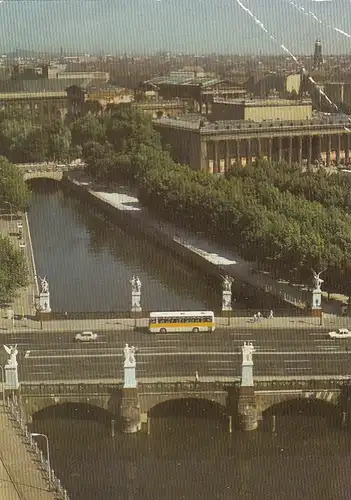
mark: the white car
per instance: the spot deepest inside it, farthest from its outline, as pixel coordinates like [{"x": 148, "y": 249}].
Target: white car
[
  {"x": 85, "y": 337},
  {"x": 342, "y": 333}
]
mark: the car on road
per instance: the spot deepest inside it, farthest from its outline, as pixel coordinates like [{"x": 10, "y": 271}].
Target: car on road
[
  {"x": 85, "y": 337},
  {"x": 342, "y": 333}
]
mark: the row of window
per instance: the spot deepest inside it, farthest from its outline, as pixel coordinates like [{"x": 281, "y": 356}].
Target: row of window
[{"x": 201, "y": 319}]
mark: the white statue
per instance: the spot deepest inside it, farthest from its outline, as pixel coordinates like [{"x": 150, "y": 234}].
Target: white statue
[
  {"x": 12, "y": 351},
  {"x": 317, "y": 281},
  {"x": 44, "y": 285},
  {"x": 227, "y": 283},
  {"x": 247, "y": 350},
  {"x": 129, "y": 354},
  {"x": 136, "y": 283}
]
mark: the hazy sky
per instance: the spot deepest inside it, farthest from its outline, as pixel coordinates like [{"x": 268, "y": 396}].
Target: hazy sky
[{"x": 192, "y": 26}]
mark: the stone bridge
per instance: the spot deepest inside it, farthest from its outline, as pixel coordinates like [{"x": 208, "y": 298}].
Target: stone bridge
[
  {"x": 43, "y": 171},
  {"x": 107, "y": 395}
]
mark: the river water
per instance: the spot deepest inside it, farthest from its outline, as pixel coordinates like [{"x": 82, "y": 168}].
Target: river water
[
  {"x": 189, "y": 456},
  {"x": 89, "y": 261}
]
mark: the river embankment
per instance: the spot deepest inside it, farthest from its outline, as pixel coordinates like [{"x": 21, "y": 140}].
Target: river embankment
[{"x": 124, "y": 208}]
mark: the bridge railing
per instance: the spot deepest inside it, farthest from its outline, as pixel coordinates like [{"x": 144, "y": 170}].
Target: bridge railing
[
  {"x": 76, "y": 389},
  {"x": 14, "y": 412},
  {"x": 303, "y": 385}
]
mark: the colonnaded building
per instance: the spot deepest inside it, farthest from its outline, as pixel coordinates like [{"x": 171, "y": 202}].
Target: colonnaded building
[{"x": 241, "y": 130}]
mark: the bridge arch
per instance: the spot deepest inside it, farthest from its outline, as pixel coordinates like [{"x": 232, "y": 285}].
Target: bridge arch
[
  {"x": 74, "y": 411},
  {"x": 316, "y": 401}
]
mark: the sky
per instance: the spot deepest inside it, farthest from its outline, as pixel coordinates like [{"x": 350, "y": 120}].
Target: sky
[{"x": 185, "y": 26}]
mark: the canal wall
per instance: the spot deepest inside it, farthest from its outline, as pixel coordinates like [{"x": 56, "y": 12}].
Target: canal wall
[
  {"x": 144, "y": 226},
  {"x": 129, "y": 213}
]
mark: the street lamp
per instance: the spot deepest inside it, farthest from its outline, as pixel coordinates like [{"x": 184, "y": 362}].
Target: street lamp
[
  {"x": 36, "y": 434},
  {"x": 3, "y": 383}
]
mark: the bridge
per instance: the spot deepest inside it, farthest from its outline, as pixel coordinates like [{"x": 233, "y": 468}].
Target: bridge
[
  {"x": 45, "y": 170},
  {"x": 107, "y": 395}
]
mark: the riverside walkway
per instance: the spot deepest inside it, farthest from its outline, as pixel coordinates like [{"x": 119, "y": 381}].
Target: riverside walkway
[{"x": 21, "y": 477}]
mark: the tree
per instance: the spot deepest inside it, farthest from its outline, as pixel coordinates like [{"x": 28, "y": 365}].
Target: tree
[
  {"x": 13, "y": 188},
  {"x": 88, "y": 129},
  {"x": 13, "y": 270}
]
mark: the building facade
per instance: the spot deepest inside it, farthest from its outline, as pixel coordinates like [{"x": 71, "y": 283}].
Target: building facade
[{"x": 213, "y": 147}]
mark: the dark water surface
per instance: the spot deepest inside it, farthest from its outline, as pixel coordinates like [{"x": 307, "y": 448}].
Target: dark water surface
[
  {"x": 89, "y": 261},
  {"x": 193, "y": 458}
]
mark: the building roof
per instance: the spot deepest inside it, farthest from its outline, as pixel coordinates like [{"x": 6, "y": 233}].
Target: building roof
[
  {"x": 263, "y": 102},
  {"x": 193, "y": 122},
  {"x": 7, "y": 96},
  {"x": 40, "y": 85},
  {"x": 180, "y": 79}
]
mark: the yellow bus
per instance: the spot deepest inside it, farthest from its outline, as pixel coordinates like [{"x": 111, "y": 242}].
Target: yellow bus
[{"x": 182, "y": 321}]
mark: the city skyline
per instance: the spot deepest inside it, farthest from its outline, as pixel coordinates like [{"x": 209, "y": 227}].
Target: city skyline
[{"x": 176, "y": 26}]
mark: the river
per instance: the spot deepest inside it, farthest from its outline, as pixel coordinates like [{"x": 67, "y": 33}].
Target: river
[
  {"x": 190, "y": 455},
  {"x": 89, "y": 261}
]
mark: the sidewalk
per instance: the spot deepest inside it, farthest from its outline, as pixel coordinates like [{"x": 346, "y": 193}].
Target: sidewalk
[
  {"x": 23, "y": 303},
  {"x": 226, "y": 260},
  {"x": 115, "y": 325},
  {"x": 20, "y": 476}
]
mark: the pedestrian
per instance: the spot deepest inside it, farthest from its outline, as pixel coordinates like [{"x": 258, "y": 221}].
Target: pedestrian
[
  {"x": 255, "y": 318},
  {"x": 258, "y": 316},
  {"x": 196, "y": 376},
  {"x": 270, "y": 314}
]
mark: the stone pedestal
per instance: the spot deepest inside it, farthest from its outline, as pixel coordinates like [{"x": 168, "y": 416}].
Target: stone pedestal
[
  {"x": 136, "y": 304},
  {"x": 11, "y": 378},
  {"x": 129, "y": 376},
  {"x": 44, "y": 302},
  {"x": 130, "y": 411},
  {"x": 226, "y": 300},
  {"x": 316, "y": 303}
]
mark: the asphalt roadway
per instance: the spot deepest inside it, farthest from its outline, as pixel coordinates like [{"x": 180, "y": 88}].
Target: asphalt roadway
[{"x": 56, "y": 356}]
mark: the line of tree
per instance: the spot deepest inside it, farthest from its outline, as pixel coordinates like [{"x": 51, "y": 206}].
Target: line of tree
[
  {"x": 14, "y": 196},
  {"x": 284, "y": 219}
]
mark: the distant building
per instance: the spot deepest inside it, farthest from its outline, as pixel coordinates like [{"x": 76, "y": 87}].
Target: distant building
[
  {"x": 214, "y": 146},
  {"x": 260, "y": 110},
  {"x": 261, "y": 85},
  {"x": 339, "y": 93},
  {"x": 317, "y": 56}
]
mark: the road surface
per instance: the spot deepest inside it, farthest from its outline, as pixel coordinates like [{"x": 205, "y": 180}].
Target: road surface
[{"x": 55, "y": 356}]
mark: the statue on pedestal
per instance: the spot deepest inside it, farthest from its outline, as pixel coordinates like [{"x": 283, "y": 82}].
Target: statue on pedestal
[
  {"x": 136, "y": 284},
  {"x": 227, "y": 283},
  {"x": 247, "y": 351},
  {"x": 317, "y": 281},
  {"x": 44, "y": 285},
  {"x": 129, "y": 355},
  {"x": 12, "y": 351}
]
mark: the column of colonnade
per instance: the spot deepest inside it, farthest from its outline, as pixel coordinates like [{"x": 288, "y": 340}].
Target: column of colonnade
[{"x": 218, "y": 155}]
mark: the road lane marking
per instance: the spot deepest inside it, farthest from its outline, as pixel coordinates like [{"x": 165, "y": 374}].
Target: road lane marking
[
  {"x": 297, "y": 361},
  {"x": 40, "y": 373},
  {"x": 298, "y": 368},
  {"x": 187, "y": 353}
]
